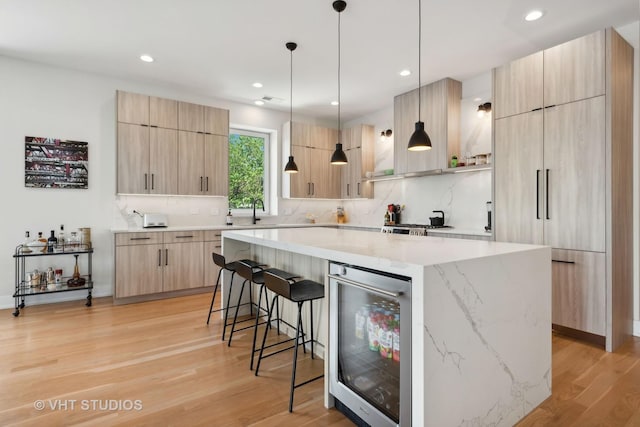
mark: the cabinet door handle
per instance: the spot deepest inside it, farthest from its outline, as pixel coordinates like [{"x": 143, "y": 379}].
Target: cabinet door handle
[
  {"x": 358, "y": 189},
  {"x": 190, "y": 236},
  {"x": 537, "y": 109},
  {"x": 547, "y": 195},
  {"x": 562, "y": 261},
  {"x": 218, "y": 235},
  {"x": 348, "y": 190},
  {"x": 153, "y": 185},
  {"x": 145, "y": 182},
  {"x": 313, "y": 188},
  {"x": 219, "y": 246},
  {"x": 537, "y": 193},
  {"x": 308, "y": 188},
  {"x": 159, "y": 257},
  {"x": 200, "y": 183},
  {"x": 207, "y": 184},
  {"x": 140, "y": 238},
  {"x": 550, "y": 106},
  {"x": 166, "y": 257}
]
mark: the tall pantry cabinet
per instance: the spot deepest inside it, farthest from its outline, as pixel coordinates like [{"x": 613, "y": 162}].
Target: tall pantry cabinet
[{"x": 563, "y": 176}]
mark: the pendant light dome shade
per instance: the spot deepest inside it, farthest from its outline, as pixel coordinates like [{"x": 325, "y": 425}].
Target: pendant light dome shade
[
  {"x": 419, "y": 140},
  {"x": 291, "y": 166},
  {"x": 339, "y": 157}
]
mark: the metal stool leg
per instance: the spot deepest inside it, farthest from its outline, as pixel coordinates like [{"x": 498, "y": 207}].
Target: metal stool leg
[
  {"x": 235, "y": 316},
  {"x": 255, "y": 329},
  {"x": 295, "y": 358},
  {"x": 228, "y": 304},
  {"x": 311, "y": 324},
  {"x": 213, "y": 298},
  {"x": 274, "y": 301}
]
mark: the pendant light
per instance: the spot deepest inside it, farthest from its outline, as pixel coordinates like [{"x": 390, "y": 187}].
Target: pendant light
[
  {"x": 291, "y": 166},
  {"x": 419, "y": 141},
  {"x": 339, "y": 157}
]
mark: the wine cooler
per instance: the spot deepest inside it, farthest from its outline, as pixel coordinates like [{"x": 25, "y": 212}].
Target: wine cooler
[{"x": 370, "y": 345}]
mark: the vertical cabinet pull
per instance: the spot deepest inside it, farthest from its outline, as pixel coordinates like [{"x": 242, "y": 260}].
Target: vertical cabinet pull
[
  {"x": 358, "y": 189},
  {"x": 313, "y": 188},
  {"x": 153, "y": 186},
  {"x": 200, "y": 183},
  {"x": 537, "y": 193},
  {"x": 145, "y": 182},
  {"x": 308, "y": 188},
  {"x": 207, "y": 184},
  {"x": 159, "y": 257},
  {"x": 348, "y": 190},
  {"x": 166, "y": 257},
  {"x": 547, "y": 195}
]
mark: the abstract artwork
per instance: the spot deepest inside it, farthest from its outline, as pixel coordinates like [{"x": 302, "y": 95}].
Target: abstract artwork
[{"x": 55, "y": 163}]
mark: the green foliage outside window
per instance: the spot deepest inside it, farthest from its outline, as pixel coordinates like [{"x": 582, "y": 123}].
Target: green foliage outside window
[{"x": 246, "y": 170}]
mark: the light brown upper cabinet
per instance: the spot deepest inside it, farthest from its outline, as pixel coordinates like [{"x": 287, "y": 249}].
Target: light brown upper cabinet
[
  {"x": 202, "y": 164},
  {"x": 563, "y": 177},
  {"x": 518, "y": 86},
  {"x": 358, "y": 143},
  {"x": 440, "y": 112},
  {"x": 203, "y": 119},
  {"x": 150, "y": 158},
  {"x": 163, "y": 113},
  {"x": 312, "y": 147},
  {"x": 133, "y": 108},
  {"x": 565, "y": 73}
]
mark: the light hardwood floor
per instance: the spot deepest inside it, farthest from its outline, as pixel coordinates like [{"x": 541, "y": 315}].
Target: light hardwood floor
[{"x": 163, "y": 354}]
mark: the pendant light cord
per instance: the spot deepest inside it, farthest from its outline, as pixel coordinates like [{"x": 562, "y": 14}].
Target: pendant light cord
[
  {"x": 291, "y": 97},
  {"x": 419, "y": 51},
  {"x": 339, "y": 101}
]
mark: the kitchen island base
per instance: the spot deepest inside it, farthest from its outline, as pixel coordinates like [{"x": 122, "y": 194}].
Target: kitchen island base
[{"x": 480, "y": 315}]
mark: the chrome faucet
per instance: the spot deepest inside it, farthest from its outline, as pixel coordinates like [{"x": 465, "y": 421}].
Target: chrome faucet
[{"x": 254, "y": 202}]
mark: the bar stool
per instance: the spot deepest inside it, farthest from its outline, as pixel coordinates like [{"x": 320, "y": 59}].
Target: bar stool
[
  {"x": 250, "y": 275},
  {"x": 298, "y": 292},
  {"x": 220, "y": 261}
]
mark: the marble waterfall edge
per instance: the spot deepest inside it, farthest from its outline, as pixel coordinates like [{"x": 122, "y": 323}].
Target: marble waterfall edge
[{"x": 487, "y": 348}]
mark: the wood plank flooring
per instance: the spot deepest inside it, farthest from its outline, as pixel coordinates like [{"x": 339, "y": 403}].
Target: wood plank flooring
[{"x": 162, "y": 356}]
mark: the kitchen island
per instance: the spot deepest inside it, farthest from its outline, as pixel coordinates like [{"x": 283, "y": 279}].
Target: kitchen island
[{"x": 480, "y": 314}]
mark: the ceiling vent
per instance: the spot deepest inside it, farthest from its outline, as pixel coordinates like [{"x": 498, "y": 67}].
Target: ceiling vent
[{"x": 272, "y": 99}]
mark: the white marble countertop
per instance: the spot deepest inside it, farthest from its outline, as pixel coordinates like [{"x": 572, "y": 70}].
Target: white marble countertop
[
  {"x": 374, "y": 250},
  {"x": 462, "y": 231}
]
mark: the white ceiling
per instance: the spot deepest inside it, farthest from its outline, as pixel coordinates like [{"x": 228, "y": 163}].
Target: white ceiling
[{"x": 218, "y": 48}]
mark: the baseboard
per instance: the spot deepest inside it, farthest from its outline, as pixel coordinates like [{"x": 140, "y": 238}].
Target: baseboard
[{"x": 8, "y": 301}]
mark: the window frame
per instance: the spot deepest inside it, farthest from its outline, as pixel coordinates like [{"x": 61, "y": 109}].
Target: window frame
[{"x": 266, "y": 186}]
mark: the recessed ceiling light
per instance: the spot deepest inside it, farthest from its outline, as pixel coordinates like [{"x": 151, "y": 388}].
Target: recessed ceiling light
[
  {"x": 534, "y": 15},
  {"x": 405, "y": 73},
  {"x": 334, "y": 102},
  {"x": 146, "y": 58},
  {"x": 257, "y": 84},
  {"x": 258, "y": 102}
]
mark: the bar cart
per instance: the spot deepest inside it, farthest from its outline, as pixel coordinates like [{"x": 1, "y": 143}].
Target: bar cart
[{"x": 28, "y": 286}]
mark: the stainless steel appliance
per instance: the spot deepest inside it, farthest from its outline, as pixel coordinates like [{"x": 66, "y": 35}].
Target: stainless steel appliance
[
  {"x": 370, "y": 344},
  {"x": 154, "y": 220}
]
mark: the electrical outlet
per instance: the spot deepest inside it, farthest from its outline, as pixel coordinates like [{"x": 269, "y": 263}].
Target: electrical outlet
[{"x": 214, "y": 211}]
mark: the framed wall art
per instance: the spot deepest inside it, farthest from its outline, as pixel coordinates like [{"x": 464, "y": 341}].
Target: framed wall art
[{"x": 55, "y": 163}]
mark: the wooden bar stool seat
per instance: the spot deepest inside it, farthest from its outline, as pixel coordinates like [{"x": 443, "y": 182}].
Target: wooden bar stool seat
[{"x": 298, "y": 292}]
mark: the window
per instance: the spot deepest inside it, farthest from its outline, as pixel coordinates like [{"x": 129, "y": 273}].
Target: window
[{"x": 248, "y": 169}]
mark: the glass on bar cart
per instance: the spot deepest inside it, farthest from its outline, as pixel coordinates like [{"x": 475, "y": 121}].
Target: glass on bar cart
[{"x": 73, "y": 242}]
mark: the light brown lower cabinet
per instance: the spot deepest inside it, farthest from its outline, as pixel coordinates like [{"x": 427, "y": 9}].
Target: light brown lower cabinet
[
  {"x": 158, "y": 262},
  {"x": 579, "y": 300}
]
